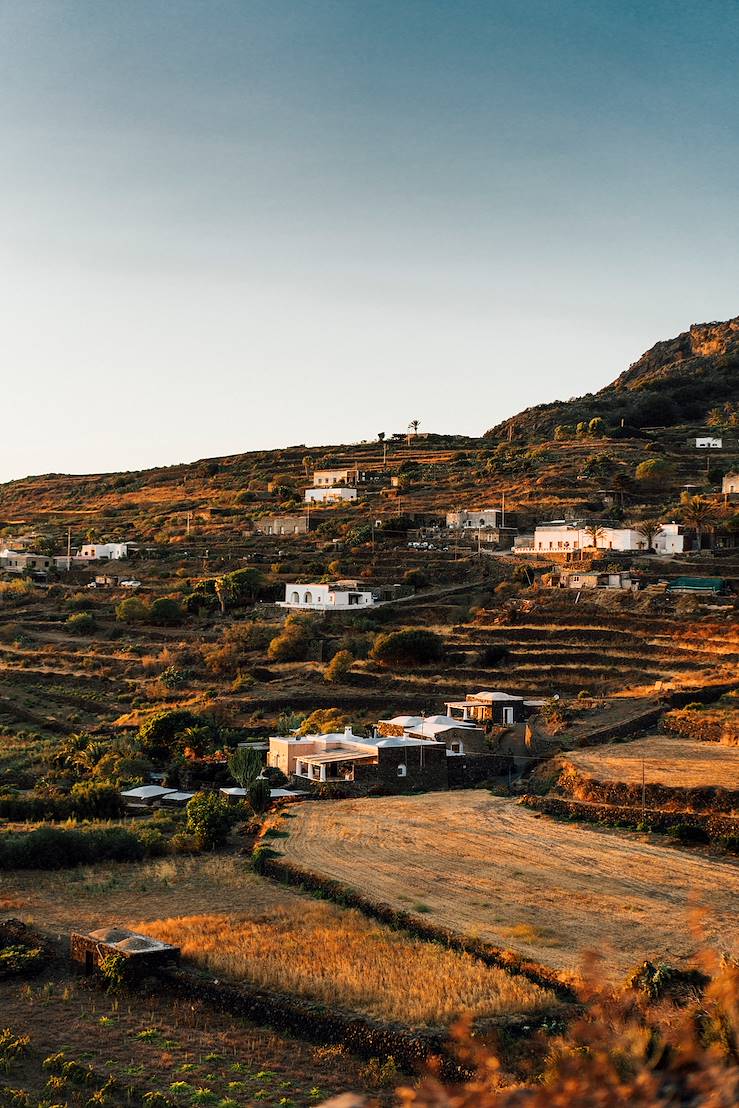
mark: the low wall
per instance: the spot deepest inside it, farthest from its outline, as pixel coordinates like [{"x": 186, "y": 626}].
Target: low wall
[
  {"x": 267, "y": 863},
  {"x": 715, "y": 827},
  {"x": 709, "y": 798}
]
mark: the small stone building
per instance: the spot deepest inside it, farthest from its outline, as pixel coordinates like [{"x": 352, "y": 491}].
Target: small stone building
[{"x": 87, "y": 949}]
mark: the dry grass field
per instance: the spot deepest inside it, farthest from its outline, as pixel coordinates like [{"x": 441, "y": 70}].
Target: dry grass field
[
  {"x": 316, "y": 950},
  {"x": 484, "y": 866},
  {"x": 677, "y": 763}
]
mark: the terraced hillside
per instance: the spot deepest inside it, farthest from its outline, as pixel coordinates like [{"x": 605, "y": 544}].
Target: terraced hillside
[{"x": 573, "y": 647}]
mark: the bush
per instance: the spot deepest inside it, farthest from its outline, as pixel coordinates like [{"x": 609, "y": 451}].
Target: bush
[
  {"x": 339, "y": 666},
  {"x": 296, "y": 640},
  {"x": 408, "y": 648},
  {"x": 132, "y": 610},
  {"x": 165, "y": 612},
  {"x": 209, "y": 820},
  {"x": 259, "y": 795},
  {"x": 81, "y": 623},
  {"x": 416, "y": 579}
]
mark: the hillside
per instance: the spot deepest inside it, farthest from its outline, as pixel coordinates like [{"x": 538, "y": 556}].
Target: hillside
[{"x": 677, "y": 381}]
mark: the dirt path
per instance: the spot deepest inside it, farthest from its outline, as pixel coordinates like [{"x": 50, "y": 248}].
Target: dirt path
[{"x": 550, "y": 891}]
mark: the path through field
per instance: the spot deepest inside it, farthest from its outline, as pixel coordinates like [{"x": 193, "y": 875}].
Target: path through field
[{"x": 548, "y": 890}]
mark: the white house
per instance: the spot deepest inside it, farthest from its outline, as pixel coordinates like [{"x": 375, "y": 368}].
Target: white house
[
  {"x": 338, "y": 597},
  {"x": 708, "y": 442},
  {"x": 730, "y": 484},
  {"x": 670, "y": 540},
  {"x": 477, "y": 517},
  {"x": 24, "y": 562},
  {"x": 561, "y": 537},
  {"x": 326, "y": 478},
  {"x": 104, "y": 551},
  {"x": 330, "y": 495}
]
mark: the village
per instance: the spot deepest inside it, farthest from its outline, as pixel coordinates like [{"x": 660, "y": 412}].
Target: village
[{"x": 399, "y": 676}]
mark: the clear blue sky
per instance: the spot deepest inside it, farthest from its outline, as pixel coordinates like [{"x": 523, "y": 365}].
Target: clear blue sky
[{"x": 234, "y": 224}]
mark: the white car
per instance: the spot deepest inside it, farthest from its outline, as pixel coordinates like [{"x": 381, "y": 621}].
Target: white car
[{"x": 131, "y": 583}]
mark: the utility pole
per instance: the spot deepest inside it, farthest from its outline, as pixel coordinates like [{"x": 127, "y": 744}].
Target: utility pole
[
  {"x": 643, "y": 792},
  {"x": 502, "y": 513},
  {"x": 187, "y": 524},
  {"x": 69, "y": 549}
]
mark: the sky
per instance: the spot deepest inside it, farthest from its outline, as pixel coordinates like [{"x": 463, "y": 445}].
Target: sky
[{"x": 229, "y": 225}]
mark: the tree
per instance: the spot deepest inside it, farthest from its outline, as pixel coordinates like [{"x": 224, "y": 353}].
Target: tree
[
  {"x": 225, "y": 591},
  {"x": 132, "y": 610},
  {"x": 245, "y": 765},
  {"x": 339, "y": 666},
  {"x": 649, "y": 528},
  {"x": 380, "y": 436},
  {"x": 81, "y": 623},
  {"x": 596, "y": 425},
  {"x": 413, "y": 428},
  {"x": 158, "y": 734},
  {"x": 562, "y": 431},
  {"x": 595, "y": 531},
  {"x": 699, "y": 513},
  {"x": 581, "y": 429},
  {"x": 209, "y": 820}
]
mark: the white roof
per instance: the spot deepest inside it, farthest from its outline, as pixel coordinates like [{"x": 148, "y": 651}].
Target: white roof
[
  {"x": 147, "y": 792},
  {"x": 178, "y": 796},
  {"x": 397, "y": 741},
  {"x": 404, "y": 721},
  {"x": 449, "y": 721},
  {"x": 488, "y": 697}
]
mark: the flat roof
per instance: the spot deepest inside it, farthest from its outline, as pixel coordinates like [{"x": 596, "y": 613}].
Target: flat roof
[{"x": 335, "y": 756}]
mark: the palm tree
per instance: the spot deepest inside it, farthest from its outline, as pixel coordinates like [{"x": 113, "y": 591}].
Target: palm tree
[
  {"x": 649, "y": 528},
  {"x": 699, "y": 513},
  {"x": 413, "y": 427},
  {"x": 595, "y": 531}
]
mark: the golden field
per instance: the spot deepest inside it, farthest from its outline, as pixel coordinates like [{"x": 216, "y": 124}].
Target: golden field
[
  {"x": 676, "y": 763},
  {"x": 336, "y": 956},
  {"x": 484, "y": 866}
]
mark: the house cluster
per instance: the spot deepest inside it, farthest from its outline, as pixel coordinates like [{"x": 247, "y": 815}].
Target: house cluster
[
  {"x": 425, "y": 752},
  {"x": 335, "y": 486},
  {"x": 20, "y": 558}
]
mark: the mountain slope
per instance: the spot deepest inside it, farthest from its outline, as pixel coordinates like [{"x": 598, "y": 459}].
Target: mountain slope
[{"x": 677, "y": 381}]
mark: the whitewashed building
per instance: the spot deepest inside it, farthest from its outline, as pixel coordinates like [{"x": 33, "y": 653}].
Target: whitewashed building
[
  {"x": 709, "y": 442},
  {"x": 560, "y": 536},
  {"x": 330, "y": 495},
  {"x": 339, "y": 597},
  {"x": 105, "y": 551}
]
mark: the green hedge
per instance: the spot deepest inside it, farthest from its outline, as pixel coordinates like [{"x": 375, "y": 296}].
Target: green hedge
[
  {"x": 85, "y": 801},
  {"x": 59, "y": 848}
]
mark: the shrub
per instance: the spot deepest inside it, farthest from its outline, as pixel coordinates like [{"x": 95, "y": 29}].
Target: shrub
[
  {"x": 259, "y": 795},
  {"x": 416, "y": 578},
  {"x": 339, "y": 666},
  {"x": 165, "y": 612},
  {"x": 408, "y": 647},
  {"x": 81, "y": 623},
  {"x": 132, "y": 610},
  {"x": 209, "y": 820},
  {"x": 296, "y": 640}
]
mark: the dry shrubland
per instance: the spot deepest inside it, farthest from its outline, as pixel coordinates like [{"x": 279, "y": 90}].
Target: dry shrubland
[{"x": 318, "y": 951}]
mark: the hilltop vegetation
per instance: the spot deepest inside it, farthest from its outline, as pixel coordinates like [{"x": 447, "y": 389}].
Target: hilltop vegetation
[{"x": 685, "y": 380}]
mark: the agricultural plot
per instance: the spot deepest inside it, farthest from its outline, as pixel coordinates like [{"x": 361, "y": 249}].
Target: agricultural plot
[
  {"x": 321, "y": 952},
  {"x": 674, "y": 763},
  {"x": 485, "y": 866}
]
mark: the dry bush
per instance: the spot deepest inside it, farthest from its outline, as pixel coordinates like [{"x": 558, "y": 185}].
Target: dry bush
[
  {"x": 622, "y": 1051},
  {"x": 318, "y": 951}
]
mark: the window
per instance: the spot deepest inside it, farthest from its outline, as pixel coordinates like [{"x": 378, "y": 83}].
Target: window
[
  {"x": 402, "y": 771},
  {"x": 457, "y": 748}
]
